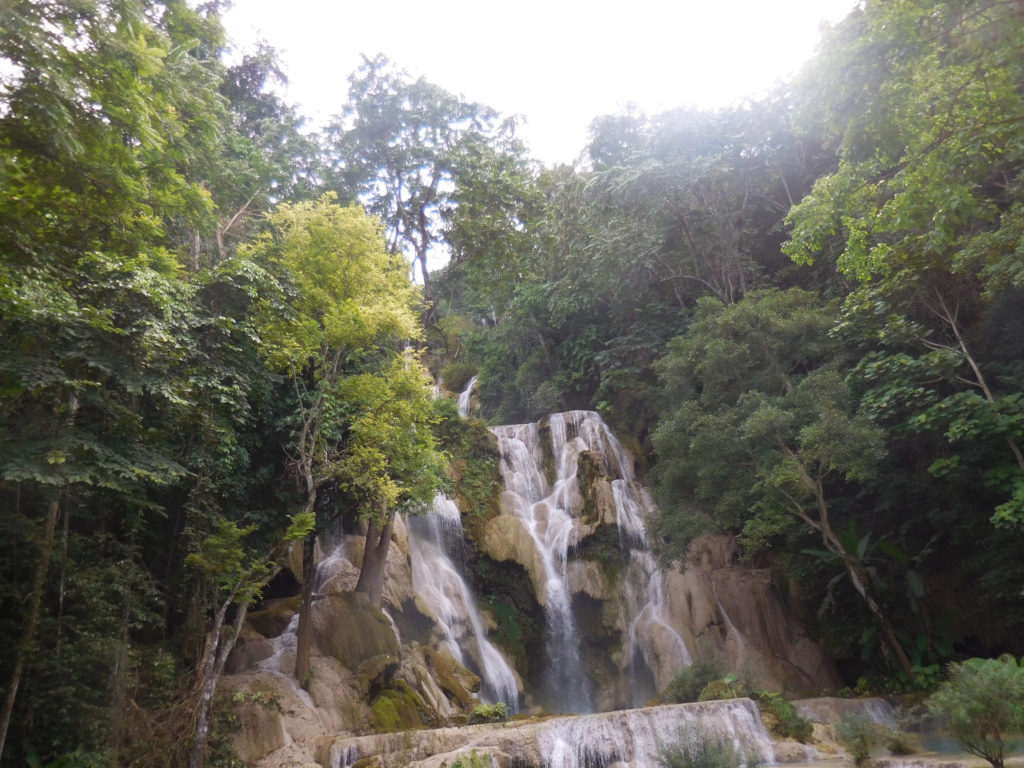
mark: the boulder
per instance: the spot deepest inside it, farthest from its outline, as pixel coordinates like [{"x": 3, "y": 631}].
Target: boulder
[
  {"x": 347, "y": 627},
  {"x": 274, "y": 616},
  {"x": 738, "y": 613},
  {"x": 505, "y": 538},
  {"x": 250, "y": 648}
]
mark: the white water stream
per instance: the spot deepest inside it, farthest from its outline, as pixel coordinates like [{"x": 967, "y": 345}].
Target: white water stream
[
  {"x": 433, "y": 539},
  {"x": 465, "y": 398},
  {"x": 550, "y": 512}
]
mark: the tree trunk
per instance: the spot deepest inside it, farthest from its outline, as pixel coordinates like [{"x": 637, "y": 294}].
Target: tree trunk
[
  {"x": 304, "y": 632},
  {"x": 212, "y": 667},
  {"x": 28, "y": 635},
  {"x": 35, "y": 595},
  {"x": 375, "y": 558}
]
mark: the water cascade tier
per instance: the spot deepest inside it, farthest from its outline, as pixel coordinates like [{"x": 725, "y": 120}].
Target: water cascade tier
[
  {"x": 434, "y": 540},
  {"x": 541, "y": 465},
  {"x": 630, "y": 738}
]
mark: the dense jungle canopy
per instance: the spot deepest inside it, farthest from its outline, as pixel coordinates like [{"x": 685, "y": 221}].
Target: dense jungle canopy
[{"x": 806, "y": 313}]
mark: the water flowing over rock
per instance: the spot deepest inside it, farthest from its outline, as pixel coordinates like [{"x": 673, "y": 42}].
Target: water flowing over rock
[
  {"x": 544, "y": 491},
  {"x": 624, "y": 738},
  {"x": 432, "y": 539},
  {"x": 466, "y": 398}
]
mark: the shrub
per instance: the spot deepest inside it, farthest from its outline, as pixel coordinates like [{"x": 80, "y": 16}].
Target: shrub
[
  {"x": 473, "y": 760},
  {"x": 488, "y": 713},
  {"x": 785, "y": 721},
  {"x": 455, "y": 376},
  {"x": 728, "y": 687},
  {"x": 695, "y": 749},
  {"x": 982, "y": 703},
  {"x": 689, "y": 682},
  {"x": 860, "y": 735},
  {"x": 901, "y": 743}
]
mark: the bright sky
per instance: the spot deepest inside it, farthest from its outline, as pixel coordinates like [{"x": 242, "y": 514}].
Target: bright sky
[{"x": 558, "y": 63}]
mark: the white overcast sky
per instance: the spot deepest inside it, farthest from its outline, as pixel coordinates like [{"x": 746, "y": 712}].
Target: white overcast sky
[{"x": 558, "y": 63}]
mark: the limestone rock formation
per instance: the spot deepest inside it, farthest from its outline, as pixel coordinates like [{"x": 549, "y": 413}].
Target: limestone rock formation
[{"x": 737, "y": 613}]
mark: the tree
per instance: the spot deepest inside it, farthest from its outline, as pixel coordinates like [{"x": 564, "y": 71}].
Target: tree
[
  {"x": 982, "y": 703},
  {"x": 390, "y": 461},
  {"x": 761, "y": 431},
  {"x": 105, "y": 114},
  {"x": 395, "y": 147},
  {"x": 349, "y": 302},
  {"x": 923, "y": 211}
]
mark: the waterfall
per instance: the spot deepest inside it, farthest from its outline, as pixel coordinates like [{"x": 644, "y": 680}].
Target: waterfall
[
  {"x": 546, "y": 513},
  {"x": 550, "y": 512},
  {"x": 634, "y": 738},
  {"x": 465, "y": 398},
  {"x": 432, "y": 540}
]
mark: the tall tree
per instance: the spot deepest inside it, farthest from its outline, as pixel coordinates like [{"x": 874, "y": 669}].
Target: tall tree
[
  {"x": 924, "y": 211},
  {"x": 350, "y": 302},
  {"x": 395, "y": 147},
  {"x": 761, "y": 432}
]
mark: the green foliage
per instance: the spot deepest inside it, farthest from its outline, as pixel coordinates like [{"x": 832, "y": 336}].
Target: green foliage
[
  {"x": 456, "y": 375},
  {"x": 860, "y": 735},
  {"x": 728, "y": 687},
  {"x": 510, "y": 634},
  {"x": 694, "y": 749},
  {"x": 982, "y": 705},
  {"x": 473, "y": 760},
  {"x": 488, "y": 713},
  {"x": 688, "y": 683},
  {"x": 784, "y": 720}
]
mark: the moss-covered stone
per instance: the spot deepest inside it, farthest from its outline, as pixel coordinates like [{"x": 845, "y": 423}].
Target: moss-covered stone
[
  {"x": 273, "y": 618},
  {"x": 399, "y": 708},
  {"x": 588, "y": 472},
  {"x": 547, "y": 450},
  {"x": 455, "y": 680}
]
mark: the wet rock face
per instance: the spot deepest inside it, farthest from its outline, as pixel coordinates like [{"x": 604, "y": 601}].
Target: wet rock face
[{"x": 738, "y": 613}]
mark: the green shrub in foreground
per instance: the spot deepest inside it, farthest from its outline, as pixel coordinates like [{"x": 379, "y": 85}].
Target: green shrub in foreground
[
  {"x": 473, "y": 760},
  {"x": 785, "y": 722},
  {"x": 860, "y": 735},
  {"x": 488, "y": 713},
  {"x": 688, "y": 682},
  {"x": 982, "y": 704}
]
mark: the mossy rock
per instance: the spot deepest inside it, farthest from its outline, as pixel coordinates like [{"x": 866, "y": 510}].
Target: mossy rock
[
  {"x": 588, "y": 471},
  {"x": 273, "y": 619},
  {"x": 399, "y": 708},
  {"x": 455, "y": 680},
  {"x": 719, "y": 690},
  {"x": 352, "y": 630}
]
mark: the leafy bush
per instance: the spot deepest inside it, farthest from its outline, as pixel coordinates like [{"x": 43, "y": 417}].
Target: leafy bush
[
  {"x": 901, "y": 743},
  {"x": 689, "y": 682},
  {"x": 784, "y": 720},
  {"x": 488, "y": 713},
  {"x": 728, "y": 687},
  {"x": 695, "y": 749},
  {"x": 860, "y": 735},
  {"x": 473, "y": 760},
  {"x": 982, "y": 703},
  {"x": 455, "y": 376}
]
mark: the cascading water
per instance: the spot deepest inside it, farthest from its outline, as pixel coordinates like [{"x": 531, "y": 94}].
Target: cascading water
[
  {"x": 545, "y": 511},
  {"x": 432, "y": 540},
  {"x": 465, "y": 398},
  {"x": 550, "y": 512}
]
